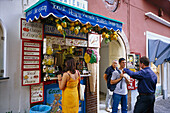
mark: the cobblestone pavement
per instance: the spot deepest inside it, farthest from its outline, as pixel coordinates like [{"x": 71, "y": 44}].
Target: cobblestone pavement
[{"x": 161, "y": 105}]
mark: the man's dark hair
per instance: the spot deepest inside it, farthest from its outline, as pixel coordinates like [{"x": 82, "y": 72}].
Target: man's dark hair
[
  {"x": 121, "y": 59},
  {"x": 144, "y": 60}
]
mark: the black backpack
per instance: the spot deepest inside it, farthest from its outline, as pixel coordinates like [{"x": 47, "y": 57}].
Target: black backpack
[{"x": 111, "y": 86}]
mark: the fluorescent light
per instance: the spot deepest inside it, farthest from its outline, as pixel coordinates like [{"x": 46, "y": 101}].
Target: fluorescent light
[{"x": 157, "y": 18}]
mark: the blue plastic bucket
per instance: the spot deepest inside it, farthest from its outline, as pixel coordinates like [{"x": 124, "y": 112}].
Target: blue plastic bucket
[{"x": 40, "y": 109}]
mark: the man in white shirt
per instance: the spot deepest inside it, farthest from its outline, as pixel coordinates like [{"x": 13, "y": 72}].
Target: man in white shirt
[{"x": 120, "y": 93}]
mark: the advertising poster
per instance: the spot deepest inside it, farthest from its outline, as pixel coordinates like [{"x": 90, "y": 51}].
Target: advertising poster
[
  {"x": 31, "y": 31},
  {"x": 31, "y": 77},
  {"x": 37, "y": 93},
  {"x": 93, "y": 40},
  {"x": 53, "y": 97}
]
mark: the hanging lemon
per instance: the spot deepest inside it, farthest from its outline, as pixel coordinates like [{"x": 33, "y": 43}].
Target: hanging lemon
[
  {"x": 115, "y": 33},
  {"x": 76, "y": 22},
  {"x": 76, "y": 31},
  {"x": 111, "y": 37},
  {"x": 72, "y": 24},
  {"x": 64, "y": 24},
  {"x": 59, "y": 28},
  {"x": 81, "y": 30},
  {"x": 103, "y": 35},
  {"x": 51, "y": 18},
  {"x": 71, "y": 28},
  {"x": 107, "y": 36},
  {"x": 88, "y": 25},
  {"x": 56, "y": 20},
  {"x": 86, "y": 31},
  {"x": 115, "y": 37}
]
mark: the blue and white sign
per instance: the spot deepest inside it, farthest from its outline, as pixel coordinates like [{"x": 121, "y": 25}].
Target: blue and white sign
[{"x": 60, "y": 10}]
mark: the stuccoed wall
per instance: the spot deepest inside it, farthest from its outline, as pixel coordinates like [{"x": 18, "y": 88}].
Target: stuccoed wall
[{"x": 13, "y": 96}]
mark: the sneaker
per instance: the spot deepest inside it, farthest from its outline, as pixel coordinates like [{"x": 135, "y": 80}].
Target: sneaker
[{"x": 108, "y": 110}]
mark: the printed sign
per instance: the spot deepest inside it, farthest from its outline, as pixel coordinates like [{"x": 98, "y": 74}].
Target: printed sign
[
  {"x": 31, "y": 58},
  {"x": 31, "y": 66},
  {"x": 54, "y": 97},
  {"x": 55, "y": 40},
  {"x": 31, "y": 55},
  {"x": 37, "y": 93},
  {"x": 31, "y": 30},
  {"x": 30, "y": 77},
  {"x": 133, "y": 82},
  {"x": 31, "y": 61},
  {"x": 31, "y": 49},
  {"x": 52, "y": 30},
  {"x": 93, "y": 40},
  {"x": 76, "y": 42}
]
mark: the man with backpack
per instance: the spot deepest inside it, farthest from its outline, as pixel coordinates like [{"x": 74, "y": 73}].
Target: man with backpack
[
  {"x": 107, "y": 76},
  {"x": 120, "y": 82}
]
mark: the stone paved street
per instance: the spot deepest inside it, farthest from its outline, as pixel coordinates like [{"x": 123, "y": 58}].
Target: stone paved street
[{"x": 161, "y": 105}]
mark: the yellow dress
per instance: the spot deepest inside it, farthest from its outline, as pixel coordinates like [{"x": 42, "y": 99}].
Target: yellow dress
[{"x": 70, "y": 98}]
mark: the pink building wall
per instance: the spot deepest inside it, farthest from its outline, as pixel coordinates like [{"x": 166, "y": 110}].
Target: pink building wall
[{"x": 132, "y": 14}]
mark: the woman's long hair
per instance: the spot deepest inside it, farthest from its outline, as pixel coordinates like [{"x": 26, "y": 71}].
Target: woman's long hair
[{"x": 70, "y": 65}]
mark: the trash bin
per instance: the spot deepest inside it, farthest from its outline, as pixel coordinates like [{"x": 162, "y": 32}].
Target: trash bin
[{"x": 40, "y": 109}]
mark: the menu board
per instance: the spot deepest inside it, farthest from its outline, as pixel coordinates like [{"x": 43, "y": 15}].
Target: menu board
[
  {"x": 37, "y": 93},
  {"x": 31, "y": 55},
  {"x": 31, "y": 77},
  {"x": 31, "y": 30},
  {"x": 31, "y": 62}
]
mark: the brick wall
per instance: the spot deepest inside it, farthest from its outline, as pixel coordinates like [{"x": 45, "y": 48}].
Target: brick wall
[{"x": 91, "y": 99}]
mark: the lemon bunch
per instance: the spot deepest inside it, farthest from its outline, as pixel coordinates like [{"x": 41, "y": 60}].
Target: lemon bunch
[{"x": 114, "y": 36}]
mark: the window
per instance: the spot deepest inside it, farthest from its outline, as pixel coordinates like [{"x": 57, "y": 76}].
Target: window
[{"x": 1, "y": 53}]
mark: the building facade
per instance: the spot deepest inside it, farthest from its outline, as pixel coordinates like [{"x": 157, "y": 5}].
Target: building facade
[{"x": 137, "y": 30}]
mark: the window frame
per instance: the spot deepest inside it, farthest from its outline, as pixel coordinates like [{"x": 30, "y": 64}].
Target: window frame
[{"x": 4, "y": 33}]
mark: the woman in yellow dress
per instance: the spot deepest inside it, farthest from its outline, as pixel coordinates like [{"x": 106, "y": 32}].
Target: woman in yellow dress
[{"x": 69, "y": 86}]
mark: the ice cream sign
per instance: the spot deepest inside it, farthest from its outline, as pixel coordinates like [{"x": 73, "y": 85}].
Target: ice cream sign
[{"x": 30, "y": 77}]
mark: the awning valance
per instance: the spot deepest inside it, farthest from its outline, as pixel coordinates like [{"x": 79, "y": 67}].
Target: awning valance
[{"x": 45, "y": 8}]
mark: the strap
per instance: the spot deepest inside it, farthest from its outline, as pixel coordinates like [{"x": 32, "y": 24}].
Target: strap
[{"x": 120, "y": 80}]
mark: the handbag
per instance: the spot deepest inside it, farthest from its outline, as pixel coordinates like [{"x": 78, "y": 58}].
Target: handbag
[
  {"x": 81, "y": 89},
  {"x": 81, "y": 92}
]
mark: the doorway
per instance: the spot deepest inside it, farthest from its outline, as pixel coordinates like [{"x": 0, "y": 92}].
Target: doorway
[{"x": 108, "y": 52}]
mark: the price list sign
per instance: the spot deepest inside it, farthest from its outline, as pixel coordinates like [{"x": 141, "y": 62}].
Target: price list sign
[
  {"x": 31, "y": 61},
  {"x": 37, "y": 93}
]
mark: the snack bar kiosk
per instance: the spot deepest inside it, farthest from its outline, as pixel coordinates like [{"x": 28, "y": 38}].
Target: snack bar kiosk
[{"x": 53, "y": 31}]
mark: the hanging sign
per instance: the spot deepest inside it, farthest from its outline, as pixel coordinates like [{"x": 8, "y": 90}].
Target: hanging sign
[
  {"x": 37, "y": 93},
  {"x": 31, "y": 31},
  {"x": 31, "y": 77},
  {"x": 93, "y": 40}
]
